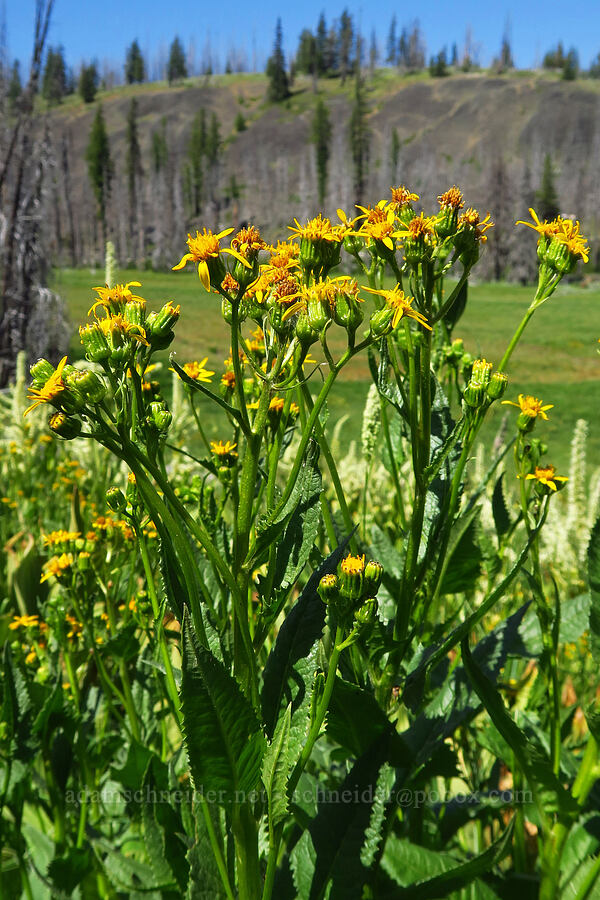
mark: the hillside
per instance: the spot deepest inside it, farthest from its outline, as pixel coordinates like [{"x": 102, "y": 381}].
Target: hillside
[{"x": 487, "y": 134}]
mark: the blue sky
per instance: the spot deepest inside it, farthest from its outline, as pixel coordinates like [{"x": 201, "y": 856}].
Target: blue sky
[{"x": 103, "y": 30}]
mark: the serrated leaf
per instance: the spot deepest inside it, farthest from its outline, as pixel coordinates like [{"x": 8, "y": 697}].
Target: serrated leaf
[
  {"x": 424, "y": 874},
  {"x": 532, "y": 760},
  {"x": 354, "y": 718},
  {"x": 224, "y": 741},
  {"x": 339, "y": 829},
  {"x": 464, "y": 563},
  {"x": 373, "y": 833},
  {"x": 593, "y": 561},
  {"x": 499, "y": 510},
  {"x": 204, "y": 879},
  {"x": 302, "y": 527},
  {"x": 302, "y": 626},
  {"x": 154, "y": 837},
  {"x": 276, "y": 769},
  {"x": 302, "y": 860},
  {"x": 69, "y": 870}
]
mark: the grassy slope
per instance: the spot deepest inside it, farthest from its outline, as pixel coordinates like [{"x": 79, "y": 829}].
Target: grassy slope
[{"x": 556, "y": 359}]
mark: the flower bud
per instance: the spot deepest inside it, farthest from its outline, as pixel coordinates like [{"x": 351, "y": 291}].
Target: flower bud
[
  {"x": 482, "y": 371},
  {"x": 351, "y": 575},
  {"x": 348, "y": 313},
  {"x": 135, "y": 313},
  {"x": 164, "y": 321},
  {"x": 226, "y": 310},
  {"x": 372, "y": 578},
  {"x": 381, "y": 321},
  {"x": 64, "y": 426},
  {"x": 497, "y": 386},
  {"x": 94, "y": 342},
  {"x": 318, "y": 312},
  {"x": 88, "y": 385},
  {"x": 474, "y": 395},
  {"x": 41, "y": 372},
  {"x": 115, "y": 499},
  {"x": 328, "y": 589},
  {"x": 83, "y": 561},
  {"x": 160, "y": 415},
  {"x": 367, "y": 613},
  {"x": 304, "y": 331}
]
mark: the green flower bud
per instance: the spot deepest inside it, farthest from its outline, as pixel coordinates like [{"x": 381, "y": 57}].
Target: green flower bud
[
  {"x": 160, "y": 415},
  {"x": 304, "y": 331},
  {"x": 372, "y": 578},
  {"x": 497, "y": 386},
  {"x": 115, "y": 499},
  {"x": 482, "y": 371},
  {"x": 319, "y": 312},
  {"x": 227, "y": 310},
  {"x": 135, "y": 313},
  {"x": 474, "y": 395},
  {"x": 348, "y": 313},
  {"x": 366, "y": 614},
  {"x": 41, "y": 372},
  {"x": 328, "y": 589},
  {"x": 83, "y": 561},
  {"x": 165, "y": 320},
  {"x": 94, "y": 342},
  {"x": 88, "y": 385},
  {"x": 161, "y": 341},
  {"x": 64, "y": 426},
  {"x": 381, "y": 321}
]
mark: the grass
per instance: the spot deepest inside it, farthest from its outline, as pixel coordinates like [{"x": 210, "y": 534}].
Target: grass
[{"x": 556, "y": 359}]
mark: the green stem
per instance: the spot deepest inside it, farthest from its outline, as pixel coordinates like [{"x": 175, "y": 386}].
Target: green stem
[
  {"x": 335, "y": 478},
  {"x": 322, "y": 708},
  {"x": 395, "y": 478},
  {"x": 515, "y": 338}
]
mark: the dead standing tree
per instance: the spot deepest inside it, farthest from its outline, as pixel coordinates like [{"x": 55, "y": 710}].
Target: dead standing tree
[{"x": 23, "y": 262}]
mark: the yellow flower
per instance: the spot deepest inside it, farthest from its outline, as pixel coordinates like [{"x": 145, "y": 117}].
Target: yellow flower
[
  {"x": 197, "y": 371},
  {"x": 56, "y": 566},
  {"x": 51, "y": 389},
  {"x": 24, "y": 622},
  {"x": 451, "y": 198},
  {"x": 223, "y": 449},
  {"x": 353, "y": 565},
  {"x": 76, "y": 627},
  {"x": 116, "y": 298},
  {"x": 530, "y": 406},
  {"x": 545, "y": 475},
  {"x": 568, "y": 234},
  {"x": 284, "y": 255},
  {"x": 401, "y": 196},
  {"x": 115, "y": 328},
  {"x": 402, "y": 305},
  {"x": 60, "y": 537},
  {"x": 471, "y": 217},
  {"x": 378, "y": 224},
  {"x": 204, "y": 248},
  {"x": 248, "y": 242},
  {"x": 547, "y": 229},
  {"x": 317, "y": 229}
]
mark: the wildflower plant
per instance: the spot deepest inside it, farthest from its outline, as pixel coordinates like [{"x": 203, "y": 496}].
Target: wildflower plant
[{"x": 262, "y": 641}]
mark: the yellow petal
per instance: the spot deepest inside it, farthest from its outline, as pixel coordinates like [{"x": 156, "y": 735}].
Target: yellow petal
[
  {"x": 184, "y": 259},
  {"x": 204, "y": 275}
]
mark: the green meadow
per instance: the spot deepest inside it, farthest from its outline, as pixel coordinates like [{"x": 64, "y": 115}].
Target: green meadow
[{"x": 556, "y": 360}]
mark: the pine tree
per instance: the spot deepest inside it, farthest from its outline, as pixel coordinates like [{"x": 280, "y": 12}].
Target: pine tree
[
  {"x": 278, "y": 80},
  {"x": 323, "y": 61},
  {"x": 135, "y": 70},
  {"x": 373, "y": 52},
  {"x": 54, "y": 81},
  {"x": 160, "y": 151},
  {"x": 438, "y": 66},
  {"x": 176, "y": 67},
  {"x": 392, "y": 44},
  {"x": 571, "y": 66},
  {"x": 133, "y": 163},
  {"x": 88, "y": 83},
  {"x": 100, "y": 169},
  {"x": 394, "y": 154},
  {"x": 547, "y": 197},
  {"x": 346, "y": 42},
  {"x": 15, "y": 87},
  {"x": 358, "y": 135},
  {"x": 321, "y": 136},
  {"x": 195, "y": 162},
  {"x": 240, "y": 122}
]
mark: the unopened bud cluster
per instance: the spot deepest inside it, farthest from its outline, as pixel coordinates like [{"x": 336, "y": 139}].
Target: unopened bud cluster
[{"x": 352, "y": 591}]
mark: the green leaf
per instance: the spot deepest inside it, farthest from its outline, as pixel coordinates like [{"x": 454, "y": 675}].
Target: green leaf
[
  {"x": 204, "y": 879},
  {"x": 354, "y": 718},
  {"x": 123, "y": 646},
  {"x": 302, "y": 859},
  {"x": 532, "y": 760},
  {"x": 340, "y": 828},
  {"x": 373, "y": 833},
  {"x": 581, "y": 845},
  {"x": 464, "y": 563},
  {"x": 593, "y": 560},
  {"x": 426, "y": 875},
  {"x": 276, "y": 769},
  {"x": 68, "y": 871},
  {"x": 302, "y": 626},
  {"x": 499, "y": 510},
  {"x": 458, "y": 306},
  {"x": 302, "y": 527},
  {"x": 224, "y": 741},
  {"x": 161, "y": 827}
]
